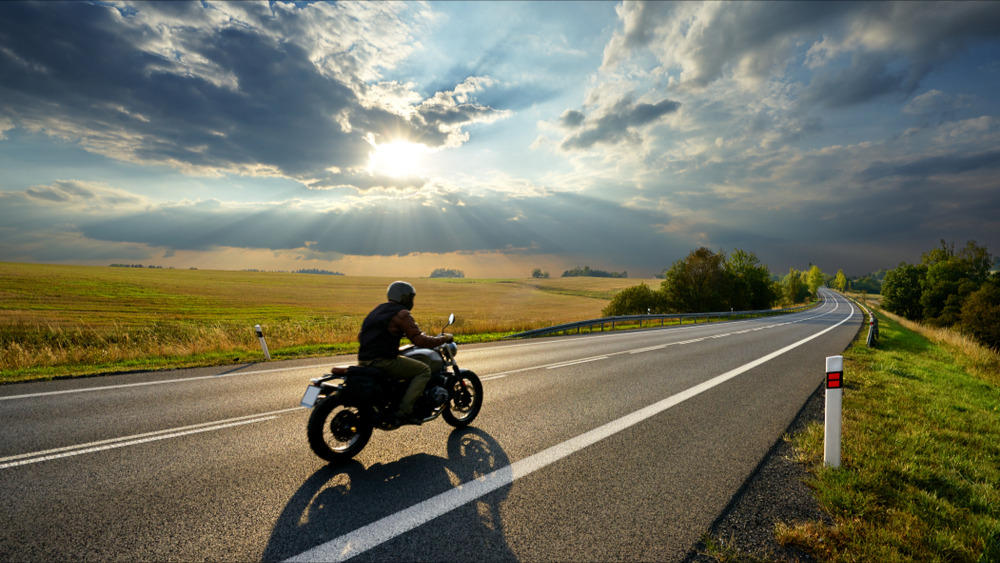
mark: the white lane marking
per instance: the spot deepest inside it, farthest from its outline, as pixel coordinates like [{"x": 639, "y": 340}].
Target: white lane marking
[
  {"x": 650, "y": 348},
  {"x": 374, "y": 534},
  {"x": 575, "y": 362},
  {"x": 162, "y": 382},
  {"x": 101, "y": 445}
]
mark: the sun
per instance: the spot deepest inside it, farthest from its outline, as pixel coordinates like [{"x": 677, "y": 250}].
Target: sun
[{"x": 398, "y": 158}]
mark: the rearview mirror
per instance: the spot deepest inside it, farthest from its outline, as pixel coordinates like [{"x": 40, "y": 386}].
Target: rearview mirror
[{"x": 451, "y": 321}]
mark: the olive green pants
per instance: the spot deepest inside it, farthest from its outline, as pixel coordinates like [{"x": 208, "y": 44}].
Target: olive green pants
[{"x": 404, "y": 368}]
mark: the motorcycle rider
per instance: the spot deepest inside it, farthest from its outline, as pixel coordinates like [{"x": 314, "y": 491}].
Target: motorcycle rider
[{"x": 380, "y": 334}]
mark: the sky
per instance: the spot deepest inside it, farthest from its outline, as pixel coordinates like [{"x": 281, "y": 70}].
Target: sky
[{"x": 391, "y": 139}]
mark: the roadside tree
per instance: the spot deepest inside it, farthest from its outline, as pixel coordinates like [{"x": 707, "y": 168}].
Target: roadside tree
[
  {"x": 793, "y": 288},
  {"x": 901, "y": 291},
  {"x": 750, "y": 281},
  {"x": 951, "y": 278},
  {"x": 698, "y": 283},
  {"x": 815, "y": 279},
  {"x": 840, "y": 281}
]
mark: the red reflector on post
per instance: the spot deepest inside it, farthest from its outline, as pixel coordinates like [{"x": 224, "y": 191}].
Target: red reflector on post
[{"x": 835, "y": 380}]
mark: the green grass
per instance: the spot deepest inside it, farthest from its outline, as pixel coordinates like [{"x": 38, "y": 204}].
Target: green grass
[
  {"x": 61, "y": 321},
  {"x": 920, "y": 474}
]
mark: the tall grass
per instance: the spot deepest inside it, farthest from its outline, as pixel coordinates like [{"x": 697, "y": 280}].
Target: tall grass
[
  {"x": 920, "y": 474},
  {"x": 980, "y": 360}
]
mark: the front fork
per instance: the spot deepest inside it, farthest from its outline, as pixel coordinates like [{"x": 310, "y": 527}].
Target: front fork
[{"x": 458, "y": 373}]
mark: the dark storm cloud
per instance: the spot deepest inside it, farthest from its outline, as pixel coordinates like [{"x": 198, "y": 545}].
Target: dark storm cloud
[
  {"x": 613, "y": 124},
  {"x": 566, "y": 224},
  {"x": 82, "y": 193},
  {"x": 179, "y": 84},
  {"x": 905, "y": 42},
  {"x": 886, "y": 213},
  {"x": 868, "y": 78},
  {"x": 572, "y": 118},
  {"x": 757, "y": 34},
  {"x": 934, "y": 166},
  {"x": 861, "y": 51},
  {"x": 561, "y": 223}
]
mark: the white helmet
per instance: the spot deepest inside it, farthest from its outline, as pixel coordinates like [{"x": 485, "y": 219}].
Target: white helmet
[{"x": 402, "y": 293}]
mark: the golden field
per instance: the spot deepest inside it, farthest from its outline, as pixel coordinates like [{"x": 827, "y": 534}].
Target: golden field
[{"x": 71, "y": 320}]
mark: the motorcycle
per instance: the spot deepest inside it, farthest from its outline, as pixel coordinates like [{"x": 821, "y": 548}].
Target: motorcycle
[{"x": 350, "y": 402}]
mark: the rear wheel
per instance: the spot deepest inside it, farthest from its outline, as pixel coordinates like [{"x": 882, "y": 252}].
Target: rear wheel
[
  {"x": 337, "y": 432},
  {"x": 465, "y": 399}
]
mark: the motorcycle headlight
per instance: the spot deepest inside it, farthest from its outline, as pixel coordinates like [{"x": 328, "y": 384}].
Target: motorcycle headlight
[{"x": 453, "y": 349}]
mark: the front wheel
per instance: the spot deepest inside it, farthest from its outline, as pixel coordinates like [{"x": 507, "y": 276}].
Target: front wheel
[
  {"x": 465, "y": 399},
  {"x": 337, "y": 432}
]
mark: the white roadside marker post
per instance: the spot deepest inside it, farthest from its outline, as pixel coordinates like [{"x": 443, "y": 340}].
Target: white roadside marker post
[
  {"x": 263, "y": 344},
  {"x": 834, "y": 398}
]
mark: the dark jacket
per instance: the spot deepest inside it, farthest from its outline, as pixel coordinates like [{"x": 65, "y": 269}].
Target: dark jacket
[{"x": 385, "y": 326}]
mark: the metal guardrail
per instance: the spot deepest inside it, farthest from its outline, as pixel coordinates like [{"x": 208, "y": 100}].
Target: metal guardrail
[
  {"x": 872, "y": 327},
  {"x": 628, "y": 319},
  {"x": 872, "y": 324}
]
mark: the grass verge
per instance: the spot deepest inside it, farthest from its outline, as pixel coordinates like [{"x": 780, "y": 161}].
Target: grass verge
[{"x": 920, "y": 474}]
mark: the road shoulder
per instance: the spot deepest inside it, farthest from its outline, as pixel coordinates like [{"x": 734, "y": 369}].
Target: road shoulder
[{"x": 775, "y": 492}]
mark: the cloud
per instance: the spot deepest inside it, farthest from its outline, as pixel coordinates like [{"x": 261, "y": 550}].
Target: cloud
[
  {"x": 87, "y": 194},
  {"x": 870, "y": 77},
  {"x": 613, "y": 124},
  {"x": 387, "y": 225},
  {"x": 704, "y": 41},
  {"x": 934, "y": 166},
  {"x": 441, "y": 118},
  {"x": 858, "y": 51},
  {"x": 281, "y": 90}
]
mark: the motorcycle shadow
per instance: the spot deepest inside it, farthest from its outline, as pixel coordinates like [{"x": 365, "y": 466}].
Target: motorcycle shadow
[{"x": 337, "y": 499}]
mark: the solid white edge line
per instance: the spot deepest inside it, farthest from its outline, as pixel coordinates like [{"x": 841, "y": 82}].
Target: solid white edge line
[
  {"x": 378, "y": 532},
  {"x": 647, "y": 349}
]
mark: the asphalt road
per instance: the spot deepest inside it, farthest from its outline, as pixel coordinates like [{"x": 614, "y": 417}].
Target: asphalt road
[{"x": 599, "y": 447}]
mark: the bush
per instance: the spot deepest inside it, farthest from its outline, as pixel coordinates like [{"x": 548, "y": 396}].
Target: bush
[
  {"x": 636, "y": 300},
  {"x": 981, "y": 315}
]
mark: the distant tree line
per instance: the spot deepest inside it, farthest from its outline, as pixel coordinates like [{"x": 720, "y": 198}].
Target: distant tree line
[
  {"x": 539, "y": 274},
  {"x": 707, "y": 281},
  {"x": 315, "y": 271},
  {"x": 949, "y": 288},
  {"x": 304, "y": 271},
  {"x": 138, "y": 266},
  {"x": 447, "y": 273},
  {"x": 587, "y": 272}
]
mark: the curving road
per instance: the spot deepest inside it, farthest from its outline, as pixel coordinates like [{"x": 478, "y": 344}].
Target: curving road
[{"x": 621, "y": 446}]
